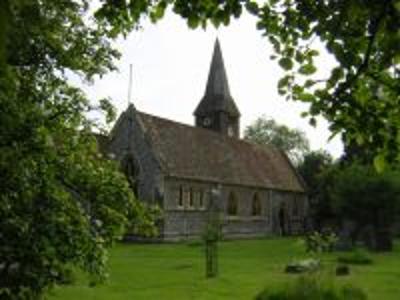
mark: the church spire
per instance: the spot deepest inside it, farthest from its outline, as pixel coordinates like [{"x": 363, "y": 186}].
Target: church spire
[
  {"x": 217, "y": 109},
  {"x": 217, "y": 83}
]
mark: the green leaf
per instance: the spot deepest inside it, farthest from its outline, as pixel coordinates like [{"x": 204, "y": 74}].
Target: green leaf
[
  {"x": 397, "y": 5},
  {"x": 313, "y": 52},
  {"x": 158, "y": 12},
  {"x": 309, "y": 83},
  {"x": 306, "y": 97},
  {"x": 286, "y": 63},
  {"x": 304, "y": 114},
  {"x": 380, "y": 162},
  {"x": 307, "y": 69},
  {"x": 359, "y": 139},
  {"x": 193, "y": 21},
  {"x": 299, "y": 56},
  {"x": 252, "y": 7},
  {"x": 283, "y": 82}
]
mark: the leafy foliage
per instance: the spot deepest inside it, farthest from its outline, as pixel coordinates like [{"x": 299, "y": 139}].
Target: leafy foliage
[
  {"x": 312, "y": 288},
  {"x": 311, "y": 168},
  {"x": 363, "y": 195},
  {"x": 368, "y": 198},
  {"x": 62, "y": 202},
  {"x": 317, "y": 242},
  {"x": 356, "y": 257},
  {"x": 317, "y": 169},
  {"x": 265, "y": 131},
  {"x": 361, "y": 95}
]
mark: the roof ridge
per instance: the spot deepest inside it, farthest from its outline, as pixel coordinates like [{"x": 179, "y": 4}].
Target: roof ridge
[
  {"x": 211, "y": 132},
  {"x": 185, "y": 150}
]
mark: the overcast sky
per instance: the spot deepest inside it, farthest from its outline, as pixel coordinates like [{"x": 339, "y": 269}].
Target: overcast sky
[{"x": 170, "y": 69}]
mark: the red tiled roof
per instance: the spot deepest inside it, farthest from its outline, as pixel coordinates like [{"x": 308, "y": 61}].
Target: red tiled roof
[{"x": 197, "y": 153}]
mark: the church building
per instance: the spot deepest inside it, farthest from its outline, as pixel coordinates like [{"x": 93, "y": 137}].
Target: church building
[{"x": 185, "y": 168}]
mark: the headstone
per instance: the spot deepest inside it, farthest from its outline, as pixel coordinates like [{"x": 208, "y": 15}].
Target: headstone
[
  {"x": 345, "y": 241},
  {"x": 383, "y": 240},
  {"x": 302, "y": 266}
]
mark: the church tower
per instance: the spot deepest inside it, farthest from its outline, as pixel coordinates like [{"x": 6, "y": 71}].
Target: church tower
[{"x": 217, "y": 110}]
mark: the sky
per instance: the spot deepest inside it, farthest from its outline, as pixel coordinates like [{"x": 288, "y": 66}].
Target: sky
[{"x": 171, "y": 62}]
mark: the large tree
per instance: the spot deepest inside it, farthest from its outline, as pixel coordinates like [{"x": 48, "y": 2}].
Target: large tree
[
  {"x": 62, "y": 203},
  {"x": 369, "y": 199},
  {"x": 317, "y": 170},
  {"x": 313, "y": 165},
  {"x": 360, "y": 97},
  {"x": 266, "y": 131}
]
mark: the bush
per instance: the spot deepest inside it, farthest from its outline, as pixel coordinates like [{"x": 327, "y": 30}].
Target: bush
[
  {"x": 342, "y": 270},
  {"x": 310, "y": 288},
  {"x": 320, "y": 241},
  {"x": 358, "y": 257},
  {"x": 66, "y": 276}
]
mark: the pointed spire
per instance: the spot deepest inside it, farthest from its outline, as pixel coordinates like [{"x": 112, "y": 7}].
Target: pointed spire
[
  {"x": 217, "y": 96},
  {"x": 217, "y": 83}
]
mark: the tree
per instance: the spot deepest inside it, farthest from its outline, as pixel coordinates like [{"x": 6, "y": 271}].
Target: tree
[
  {"x": 265, "y": 131},
  {"x": 317, "y": 169},
  {"x": 361, "y": 96},
  {"x": 368, "y": 198},
  {"x": 314, "y": 163},
  {"x": 62, "y": 202}
]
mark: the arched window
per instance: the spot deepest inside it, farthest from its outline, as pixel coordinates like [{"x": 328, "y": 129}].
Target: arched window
[
  {"x": 191, "y": 197},
  {"x": 180, "y": 196},
  {"x": 232, "y": 208},
  {"x": 256, "y": 205},
  {"x": 131, "y": 168},
  {"x": 201, "y": 198}
]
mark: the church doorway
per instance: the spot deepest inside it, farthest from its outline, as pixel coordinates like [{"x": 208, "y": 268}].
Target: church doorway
[{"x": 283, "y": 219}]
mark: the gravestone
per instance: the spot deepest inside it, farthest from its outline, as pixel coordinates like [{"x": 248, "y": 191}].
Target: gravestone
[{"x": 345, "y": 236}]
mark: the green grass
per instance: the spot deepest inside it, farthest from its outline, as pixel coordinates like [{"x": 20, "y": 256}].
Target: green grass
[{"x": 176, "y": 271}]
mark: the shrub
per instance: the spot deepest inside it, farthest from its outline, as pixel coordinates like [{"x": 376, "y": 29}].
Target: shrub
[
  {"x": 358, "y": 257},
  {"x": 66, "y": 276},
  {"x": 320, "y": 241},
  {"x": 342, "y": 270},
  {"x": 311, "y": 288}
]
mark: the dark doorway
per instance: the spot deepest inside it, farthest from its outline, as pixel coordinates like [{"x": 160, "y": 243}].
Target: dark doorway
[{"x": 282, "y": 216}]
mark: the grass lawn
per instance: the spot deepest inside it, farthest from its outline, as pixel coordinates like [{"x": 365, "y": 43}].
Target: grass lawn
[{"x": 176, "y": 271}]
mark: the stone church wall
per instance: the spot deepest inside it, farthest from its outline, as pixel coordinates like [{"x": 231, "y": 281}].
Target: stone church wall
[
  {"x": 149, "y": 175},
  {"x": 188, "y": 218}
]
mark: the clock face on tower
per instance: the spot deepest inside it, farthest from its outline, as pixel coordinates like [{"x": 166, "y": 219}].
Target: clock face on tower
[{"x": 207, "y": 121}]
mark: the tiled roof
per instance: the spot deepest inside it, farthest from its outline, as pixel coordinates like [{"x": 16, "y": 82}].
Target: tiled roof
[{"x": 197, "y": 153}]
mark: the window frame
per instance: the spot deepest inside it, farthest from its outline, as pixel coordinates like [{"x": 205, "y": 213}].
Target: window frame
[
  {"x": 191, "y": 198},
  {"x": 201, "y": 199},
  {"x": 256, "y": 206},
  {"x": 181, "y": 203},
  {"x": 232, "y": 207}
]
